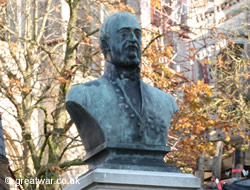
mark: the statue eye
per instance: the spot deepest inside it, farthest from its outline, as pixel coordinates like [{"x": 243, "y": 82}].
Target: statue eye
[
  {"x": 124, "y": 32},
  {"x": 138, "y": 34}
]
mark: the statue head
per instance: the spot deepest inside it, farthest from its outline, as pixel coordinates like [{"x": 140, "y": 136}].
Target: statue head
[{"x": 120, "y": 40}]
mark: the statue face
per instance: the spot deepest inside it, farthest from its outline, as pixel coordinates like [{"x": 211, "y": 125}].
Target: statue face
[{"x": 125, "y": 41}]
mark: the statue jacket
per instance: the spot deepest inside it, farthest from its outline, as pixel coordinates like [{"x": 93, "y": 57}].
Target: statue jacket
[{"x": 105, "y": 116}]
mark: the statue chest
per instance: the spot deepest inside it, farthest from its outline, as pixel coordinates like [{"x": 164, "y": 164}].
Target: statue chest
[{"x": 123, "y": 123}]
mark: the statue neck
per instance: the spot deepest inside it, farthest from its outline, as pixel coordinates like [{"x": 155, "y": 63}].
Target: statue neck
[{"x": 113, "y": 71}]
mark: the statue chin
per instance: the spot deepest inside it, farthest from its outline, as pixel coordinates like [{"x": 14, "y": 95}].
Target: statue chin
[
  {"x": 125, "y": 60},
  {"x": 135, "y": 62}
]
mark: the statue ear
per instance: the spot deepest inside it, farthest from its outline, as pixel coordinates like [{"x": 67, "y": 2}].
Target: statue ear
[{"x": 105, "y": 46}]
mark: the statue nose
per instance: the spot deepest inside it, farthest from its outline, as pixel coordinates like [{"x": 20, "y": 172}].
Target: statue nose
[{"x": 132, "y": 37}]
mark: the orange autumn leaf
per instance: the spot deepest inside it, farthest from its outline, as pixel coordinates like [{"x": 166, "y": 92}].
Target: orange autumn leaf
[
  {"x": 227, "y": 139},
  {"x": 131, "y": 10},
  {"x": 191, "y": 57},
  {"x": 26, "y": 90},
  {"x": 169, "y": 51},
  {"x": 231, "y": 42},
  {"x": 229, "y": 16},
  {"x": 209, "y": 93},
  {"x": 214, "y": 30},
  {"x": 222, "y": 35},
  {"x": 210, "y": 62},
  {"x": 62, "y": 79},
  {"x": 9, "y": 91},
  {"x": 98, "y": 25},
  {"x": 199, "y": 82},
  {"x": 90, "y": 18},
  {"x": 156, "y": 3},
  {"x": 69, "y": 72},
  {"x": 56, "y": 169},
  {"x": 213, "y": 132},
  {"x": 57, "y": 9},
  {"x": 86, "y": 39}
]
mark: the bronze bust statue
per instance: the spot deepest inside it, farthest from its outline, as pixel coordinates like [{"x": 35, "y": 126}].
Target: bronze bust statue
[{"x": 118, "y": 116}]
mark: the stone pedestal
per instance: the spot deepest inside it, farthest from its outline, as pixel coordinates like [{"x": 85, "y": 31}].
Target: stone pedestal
[
  {"x": 128, "y": 157},
  {"x": 117, "y": 179}
]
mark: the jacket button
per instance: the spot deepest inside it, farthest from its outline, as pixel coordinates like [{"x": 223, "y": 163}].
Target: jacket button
[
  {"x": 157, "y": 129},
  {"x": 138, "y": 124},
  {"x": 117, "y": 90},
  {"x": 126, "y": 106},
  {"x": 150, "y": 118},
  {"x": 132, "y": 115}
]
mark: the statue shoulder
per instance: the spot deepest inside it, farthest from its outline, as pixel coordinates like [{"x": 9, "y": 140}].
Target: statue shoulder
[
  {"x": 75, "y": 93},
  {"x": 78, "y": 93},
  {"x": 162, "y": 97}
]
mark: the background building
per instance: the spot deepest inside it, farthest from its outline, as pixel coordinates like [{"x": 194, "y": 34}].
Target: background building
[{"x": 199, "y": 30}]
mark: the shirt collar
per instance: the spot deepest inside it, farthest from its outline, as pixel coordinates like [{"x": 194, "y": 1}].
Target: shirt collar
[{"x": 112, "y": 72}]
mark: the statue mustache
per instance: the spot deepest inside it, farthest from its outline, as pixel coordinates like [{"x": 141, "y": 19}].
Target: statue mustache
[{"x": 131, "y": 45}]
